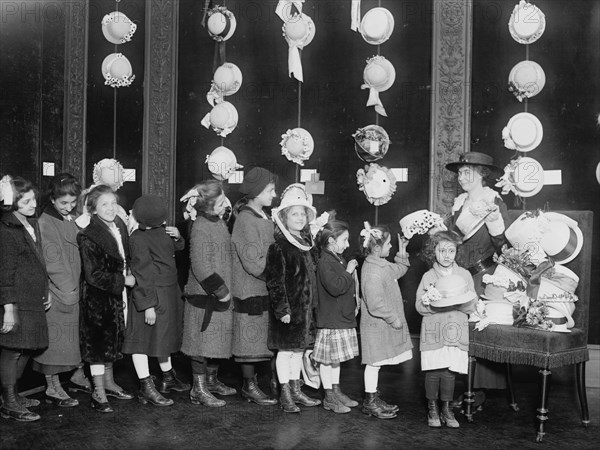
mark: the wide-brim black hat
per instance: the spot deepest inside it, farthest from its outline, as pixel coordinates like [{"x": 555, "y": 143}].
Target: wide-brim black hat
[{"x": 476, "y": 159}]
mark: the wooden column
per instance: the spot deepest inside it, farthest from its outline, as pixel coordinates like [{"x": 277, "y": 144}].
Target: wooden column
[
  {"x": 75, "y": 100},
  {"x": 451, "y": 99},
  {"x": 160, "y": 101}
]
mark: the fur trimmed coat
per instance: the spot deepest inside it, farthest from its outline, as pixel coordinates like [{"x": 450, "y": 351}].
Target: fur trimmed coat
[
  {"x": 291, "y": 281},
  {"x": 24, "y": 283},
  {"x": 101, "y": 320}
]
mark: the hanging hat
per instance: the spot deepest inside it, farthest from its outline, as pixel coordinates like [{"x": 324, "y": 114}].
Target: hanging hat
[
  {"x": 525, "y": 234},
  {"x": 562, "y": 239},
  {"x": 526, "y": 79},
  {"x": 221, "y": 23},
  {"x": 255, "y": 181},
  {"x": 117, "y": 70},
  {"x": 227, "y": 80},
  {"x": 223, "y": 118},
  {"x": 475, "y": 159},
  {"x": 527, "y": 23},
  {"x": 150, "y": 211},
  {"x": 298, "y": 31},
  {"x": 379, "y": 75},
  {"x": 523, "y": 177},
  {"x": 420, "y": 222},
  {"x": 287, "y": 9},
  {"x": 109, "y": 172},
  {"x": 222, "y": 163},
  {"x": 453, "y": 289},
  {"x": 371, "y": 143},
  {"x": 294, "y": 195},
  {"x": 377, "y": 26},
  {"x": 377, "y": 182},
  {"x": 297, "y": 145},
  {"x": 523, "y": 132},
  {"x": 117, "y": 28}
]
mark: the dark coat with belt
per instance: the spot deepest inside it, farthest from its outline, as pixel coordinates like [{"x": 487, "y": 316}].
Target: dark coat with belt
[
  {"x": 291, "y": 281},
  {"x": 101, "y": 320},
  {"x": 24, "y": 283}
]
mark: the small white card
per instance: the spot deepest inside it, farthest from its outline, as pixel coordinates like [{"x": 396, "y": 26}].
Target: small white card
[
  {"x": 374, "y": 147},
  {"x": 552, "y": 177},
  {"x": 128, "y": 175},
  {"x": 401, "y": 174},
  {"x": 236, "y": 177},
  {"x": 306, "y": 174},
  {"x": 48, "y": 169}
]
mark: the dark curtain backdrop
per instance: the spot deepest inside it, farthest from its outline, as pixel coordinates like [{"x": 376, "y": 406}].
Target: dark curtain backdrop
[{"x": 567, "y": 107}]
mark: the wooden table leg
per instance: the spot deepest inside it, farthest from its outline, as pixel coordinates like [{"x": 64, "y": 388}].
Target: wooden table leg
[
  {"x": 585, "y": 414},
  {"x": 543, "y": 409},
  {"x": 511, "y": 391}
]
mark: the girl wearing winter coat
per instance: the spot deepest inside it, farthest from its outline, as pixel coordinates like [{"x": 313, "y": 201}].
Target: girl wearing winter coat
[
  {"x": 23, "y": 293},
  {"x": 155, "y": 314},
  {"x": 104, "y": 249},
  {"x": 291, "y": 280},
  {"x": 385, "y": 339}
]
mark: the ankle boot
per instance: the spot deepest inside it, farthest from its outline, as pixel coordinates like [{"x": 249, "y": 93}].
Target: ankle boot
[
  {"x": 200, "y": 395},
  {"x": 433, "y": 414},
  {"x": 286, "y": 401},
  {"x": 332, "y": 402},
  {"x": 385, "y": 405},
  {"x": 79, "y": 382},
  {"x": 274, "y": 385},
  {"x": 371, "y": 407},
  {"x": 170, "y": 382},
  {"x": 346, "y": 401},
  {"x": 25, "y": 401},
  {"x": 55, "y": 393},
  {"x": 447, "y": 416},
  {"x": 111, "y": 388},
  {"x": 252, "y": 393},
  {"x": 215, "y": 385},
  {"x": 99, "y": 400},
  {"x": 12, "y": 409},
  {"x": 148, "y": 393},
  {"x": 300, "y": 397}
]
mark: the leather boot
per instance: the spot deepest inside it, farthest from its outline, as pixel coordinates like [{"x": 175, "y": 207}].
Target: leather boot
[
  {"x": 25, "y": 401},
  {"x": 252, "y": 393},
  {"x": 433, "y": 414},
  {"x": 148, "y": 393},
  {"x": 300, "y": 397},
  {"x": 170, "y": 382},
  {"x": 200, "y": 395},
  {"x": 99, "y": 400},
  {"x": 216, "y": 386},
  {"x": 332, "y": 402},
  {"x": 111, "y": 388},
  {"x": 286, "y": 401},
  {"x": 385, "y": 405},
  {"x": 447, "y": 416},
  {"x": 56, "y": 394},
  {"x": 12, "y": 409},
  {"x": 346, "y": 401},
  {"x": 274, "y": 385},
  {"x": 371, "y": 407}
]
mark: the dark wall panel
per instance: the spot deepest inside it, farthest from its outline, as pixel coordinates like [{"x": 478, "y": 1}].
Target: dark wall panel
[{"x": 567, "y": 107}]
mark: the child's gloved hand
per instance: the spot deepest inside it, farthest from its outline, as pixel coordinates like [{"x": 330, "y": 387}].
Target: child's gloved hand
[{"x": 286, "y": 318}]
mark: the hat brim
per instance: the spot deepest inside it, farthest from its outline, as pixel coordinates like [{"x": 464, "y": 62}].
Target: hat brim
[
  {"x": 528, "y": 173},
  {"x": 389, "y": 69},
  {"x": 495, "y": 171},
  {"x": 456, "y": 300},
  {"x": 105, "y": 32},
  {"x": 390, "y": 29},
  {"x": 540, "y": 81},
  {"x": 538, "y": 126},
  {"x": 573, "y": 226},
  {"x": 519, "y": 12}
]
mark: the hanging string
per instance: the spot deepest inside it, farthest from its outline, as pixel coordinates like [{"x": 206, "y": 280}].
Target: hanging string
[
  {"x": 114, "y": 155},
  {"x": 377, "y": 123}
]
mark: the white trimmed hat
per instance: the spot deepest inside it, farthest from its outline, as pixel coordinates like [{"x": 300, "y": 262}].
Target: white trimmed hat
[
  {"x": 377, "y": 26},
  {"x": 299, "y": 30},
  {"x": 117, "y": 71},
  {"x": 297, "y": 145},
  {"x": 379, "y": 75},
  {"x": 221, "y": 23},
  {"x": 294, "y": 195},
  {"x": 420, "y": 222},
  {"x": 377, "y": 182},
  {"x": 526, "y": 79},
  {"x": 454, "y": 290},
  {"x": 525, "y": 234},
  {"x": 109, "y": 172},
  {"x": 562, "y": 239},
  {"x": 223, "y": 118},
  {"x": 371, "y": 143},
  {"x": 523, "y": 133},
  {"x": 527, "y": 23},
  {"x": 117, "y": 27},
  {"x": 222, "y": 163}
]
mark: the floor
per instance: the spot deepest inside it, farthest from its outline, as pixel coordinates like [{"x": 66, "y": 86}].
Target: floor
[{"x": 244, "y": 425}]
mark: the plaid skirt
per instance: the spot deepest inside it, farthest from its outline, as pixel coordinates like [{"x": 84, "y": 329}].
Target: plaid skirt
[{"x": 333, "y": 346}]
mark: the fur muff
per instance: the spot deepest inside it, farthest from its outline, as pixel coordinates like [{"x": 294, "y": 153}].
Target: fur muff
[
  {"x": 290, "y": 275},
  {"x": 101, "y": 324}
]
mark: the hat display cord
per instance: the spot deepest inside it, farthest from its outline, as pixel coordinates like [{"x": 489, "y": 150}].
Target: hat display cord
[
  {"x": 377, "y": 123},
  {"x": 114, "y": 153}
]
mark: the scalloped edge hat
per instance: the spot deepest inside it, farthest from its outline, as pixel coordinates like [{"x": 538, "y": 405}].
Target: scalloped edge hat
[
  {"x": 117, "y": 27},
  {"x": 302, "y": 145},
  {"x": 117, "y": 71}
]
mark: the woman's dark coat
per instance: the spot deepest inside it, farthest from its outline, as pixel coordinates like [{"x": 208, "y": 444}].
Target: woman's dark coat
[{"x": 101, "y": 320}]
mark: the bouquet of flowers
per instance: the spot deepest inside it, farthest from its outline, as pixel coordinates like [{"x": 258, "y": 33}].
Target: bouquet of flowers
[
  {"x": 431, "y": 295},
  {"x": 533, "y": 314}
]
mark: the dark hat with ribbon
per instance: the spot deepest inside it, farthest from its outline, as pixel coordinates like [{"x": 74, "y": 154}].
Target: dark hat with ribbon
[{"x": 476, "y": 159}]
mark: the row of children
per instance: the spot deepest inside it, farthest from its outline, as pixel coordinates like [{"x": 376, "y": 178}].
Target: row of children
[{"x": 264, "y": 288}]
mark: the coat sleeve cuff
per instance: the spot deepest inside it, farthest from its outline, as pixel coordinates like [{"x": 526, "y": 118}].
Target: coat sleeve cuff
[{"x": 214, "y": 283}]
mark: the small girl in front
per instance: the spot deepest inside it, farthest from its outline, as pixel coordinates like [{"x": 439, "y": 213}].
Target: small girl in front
[
  {"x": 444, "y": 330},
  {"x": 336, "y": 311},
  {"x": 385, "y": 339}
]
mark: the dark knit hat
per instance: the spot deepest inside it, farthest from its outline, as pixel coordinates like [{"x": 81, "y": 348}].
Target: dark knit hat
[
  {"x": 255, "y": 181},
  {"x": 150, "y": 211}
]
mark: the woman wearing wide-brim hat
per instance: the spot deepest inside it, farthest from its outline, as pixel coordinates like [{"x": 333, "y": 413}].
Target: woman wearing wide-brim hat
[{"x": 479, "y": 215}]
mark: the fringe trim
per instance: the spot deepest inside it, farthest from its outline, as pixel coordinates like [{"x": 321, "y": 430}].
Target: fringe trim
[{"x": 529, "y": 357}]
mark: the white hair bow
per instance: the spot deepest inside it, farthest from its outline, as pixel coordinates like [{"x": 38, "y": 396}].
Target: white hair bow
[
  {"x": 369, "y": 233},
  {"x": 6, "y": 191},
  {"x": 318, "y": 224},
  {"x": 191, "y": 197}
]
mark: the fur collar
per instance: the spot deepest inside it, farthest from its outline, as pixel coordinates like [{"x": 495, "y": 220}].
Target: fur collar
[{"x": 98, "y": 232}]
